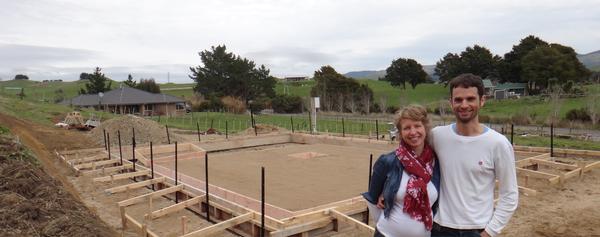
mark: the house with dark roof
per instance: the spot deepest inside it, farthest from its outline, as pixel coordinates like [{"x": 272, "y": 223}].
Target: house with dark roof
[{"x": 126, "y": 100}]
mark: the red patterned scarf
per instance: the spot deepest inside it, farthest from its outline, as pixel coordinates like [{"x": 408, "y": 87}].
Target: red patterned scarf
[{"x": 420, "y": 169}]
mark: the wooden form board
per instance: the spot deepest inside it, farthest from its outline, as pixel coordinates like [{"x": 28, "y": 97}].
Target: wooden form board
[
  {"x": 154, "y": 194},
  {"x": 141, "y": 229},
  {"x": 362, "y": 227},
  {"x": 114, "y": 177},
  {"x": 221, "y": 226},
  {"x": 98, "y": 157},
  {"x": 134, "y": 186},
  {"x": 175, "y": 208},
  {"x": 96, "y": 164},
  {"x": 106, "y": 170}
]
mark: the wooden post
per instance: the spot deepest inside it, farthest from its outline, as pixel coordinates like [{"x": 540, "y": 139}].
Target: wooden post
[
  {"x": 108, "y": 144},
  {"x": 184, "y": 220}
]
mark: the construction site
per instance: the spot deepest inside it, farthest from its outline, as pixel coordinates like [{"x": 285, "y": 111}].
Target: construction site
[{"x": 143, "y": 182}]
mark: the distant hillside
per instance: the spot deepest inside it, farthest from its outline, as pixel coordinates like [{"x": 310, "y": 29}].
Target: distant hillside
[
  {"x": 374, "y": 75},
  {"x": 591, "y": 60}
]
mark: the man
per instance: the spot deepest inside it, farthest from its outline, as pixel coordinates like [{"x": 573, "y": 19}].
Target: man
[{"x": 472, "y": 157}]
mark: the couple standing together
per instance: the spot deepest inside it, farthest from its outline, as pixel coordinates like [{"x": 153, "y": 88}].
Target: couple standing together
[{"x": 440, "y": 182}]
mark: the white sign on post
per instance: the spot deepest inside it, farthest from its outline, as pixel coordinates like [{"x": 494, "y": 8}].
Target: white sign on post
[{"x": 317, "y": 102}]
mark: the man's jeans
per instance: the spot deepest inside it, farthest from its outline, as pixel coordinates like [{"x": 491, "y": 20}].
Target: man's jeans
[{"x": 440, "y": 231}]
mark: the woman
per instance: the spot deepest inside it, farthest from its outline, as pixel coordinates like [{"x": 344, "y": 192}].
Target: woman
[{"x": 405, "y": 182}]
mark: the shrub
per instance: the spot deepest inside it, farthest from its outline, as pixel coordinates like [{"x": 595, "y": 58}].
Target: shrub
[
  {"x": 578, "y": 115},
  {"x": 391, "y": 109},
  {"x": 233, "y": 105},
  {"x": 287, "y": 104},
  {"x": 258, "y": 104}
]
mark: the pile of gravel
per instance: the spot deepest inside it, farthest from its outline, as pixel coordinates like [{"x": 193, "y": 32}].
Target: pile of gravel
[{"x": 146, "y": 131}]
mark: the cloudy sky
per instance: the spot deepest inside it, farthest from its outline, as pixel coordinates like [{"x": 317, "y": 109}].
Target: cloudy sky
[{"x": 60, "y": 39}]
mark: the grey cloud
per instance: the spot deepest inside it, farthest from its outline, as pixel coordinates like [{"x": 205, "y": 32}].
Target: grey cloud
[{"x": 16, "y": 55}]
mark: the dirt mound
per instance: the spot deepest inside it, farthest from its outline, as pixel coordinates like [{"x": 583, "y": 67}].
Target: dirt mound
[
  {"x": 33, "y": 204},
  {"x": 145, "y": 131},
  {"x": 263, "y": 129}
]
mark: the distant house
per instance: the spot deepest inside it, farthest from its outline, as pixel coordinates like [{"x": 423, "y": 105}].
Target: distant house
[
  {"x": 296, "y": 78},
  {"x": 128, "y": 100},
  {"x": 516, "y": 88},
  {"x": 489, "y": 87}
]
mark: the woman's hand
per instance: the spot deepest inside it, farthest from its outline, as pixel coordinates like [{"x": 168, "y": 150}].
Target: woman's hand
[{"x": 380, "y": 203}]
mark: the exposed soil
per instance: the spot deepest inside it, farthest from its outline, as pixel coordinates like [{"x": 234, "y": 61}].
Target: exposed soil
[
  {"x": 145, "y": 131},
  {"x": 33, "y": 203}
]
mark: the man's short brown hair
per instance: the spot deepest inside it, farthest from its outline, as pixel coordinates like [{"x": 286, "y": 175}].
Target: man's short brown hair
[{"x": 467, "y": 80}]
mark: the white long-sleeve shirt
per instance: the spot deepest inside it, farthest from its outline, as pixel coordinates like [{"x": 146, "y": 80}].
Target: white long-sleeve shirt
[{"x": 470, "y": 165}]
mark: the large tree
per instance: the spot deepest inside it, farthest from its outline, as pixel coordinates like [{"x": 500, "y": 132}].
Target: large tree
[
  {"x": 477, "y": 60},
  {"x": 224, "y": 73},
  {"x": 148, "y": 85},
  {"x": 97, "y": 82},
  {"x": 511, "y": 68},
  {"x": 21, "y": 77},
  {"x": 340, "y": 93},
  {"x": 405, "y": 70},
  {"x": 130, "y": 82},
  {"x": 556, "y": 62}
]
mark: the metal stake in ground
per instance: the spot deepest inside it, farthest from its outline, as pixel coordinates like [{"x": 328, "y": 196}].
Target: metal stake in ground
[
  {"x": 552, "y": 140},
  {"x": 377, "y": 128},
  {"x": 198, "y": 130},
  {"x": 292, "y": 122},
  {"x": 512, "y": 133},
  {"x": 120, "y": 150},
  {"x": 133, "y": 155},
  {"x": 152, "y": 164},
  {"x": 226, "y": 130},
  {"x": 206, "y": 185},
  {"x": 168, "y": 137},
  {"x": 104, "y": 131},
  {"x": 176, "y": 196},
  {"x": 108, "y": 144},
  {"x": 369, "y": 185},
  {"x": 262, "y": 201},
  {"x": 343, "y": 128}
]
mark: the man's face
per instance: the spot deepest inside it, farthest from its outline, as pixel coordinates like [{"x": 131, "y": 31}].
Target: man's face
[{"x": 466, "y": 103}]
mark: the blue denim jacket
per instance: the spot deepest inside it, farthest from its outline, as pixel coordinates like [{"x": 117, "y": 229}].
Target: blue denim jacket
[{"x": 386, "y": 177}]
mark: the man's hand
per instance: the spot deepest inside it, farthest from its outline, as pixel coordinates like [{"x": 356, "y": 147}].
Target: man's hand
[
  {"x": 484, "y": 234},
  {"x": 380, "y": 203}
]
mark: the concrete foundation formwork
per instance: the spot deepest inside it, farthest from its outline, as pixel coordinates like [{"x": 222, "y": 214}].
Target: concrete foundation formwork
[{"x": 327, "y": 165}]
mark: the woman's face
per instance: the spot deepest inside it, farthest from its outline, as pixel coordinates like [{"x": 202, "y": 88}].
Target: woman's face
[{"x": 412, "y": 132}]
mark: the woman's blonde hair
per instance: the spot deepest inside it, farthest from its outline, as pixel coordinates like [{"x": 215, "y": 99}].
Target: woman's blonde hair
[{"x": 415, "y": 113}]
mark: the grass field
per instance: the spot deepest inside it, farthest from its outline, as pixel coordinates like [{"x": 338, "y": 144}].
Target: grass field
[{"x": 430, "y": 95}]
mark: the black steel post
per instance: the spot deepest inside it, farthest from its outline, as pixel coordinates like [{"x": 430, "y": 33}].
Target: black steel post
[
  {"x": 343, "y": 128},
  {"x": 226, "y": 129},
  {"x": 211, "y": 122},
  {"x": 512, "y": 133},
  {"x": 152, "y": 163},
  {"x": 292, "y": 122},
  {"x": 104, "y": 131},
  {"x": 108, "y": 144},
  {"x": 377, "y": 128},
  {"x": 369, "y": 185},
  {"x": 176, "y": 196},
  {"x": 252, "y": 118},
  {"x": 198, "y": 130},
  {"x": 552, "y": 140},
  {"x": 133, "y": 136},
  {"x": 262, "y": 202},
  {"x": 120, "y": 150},
  {"x": 168, "y": 136},
  {"x": 133, "y": 155},
  {"x": 310, "y": 122},
  {"x": 206, "y": 186}
]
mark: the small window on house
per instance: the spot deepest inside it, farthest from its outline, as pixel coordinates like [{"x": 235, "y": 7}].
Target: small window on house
[{"x": 180, "y": 106}]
